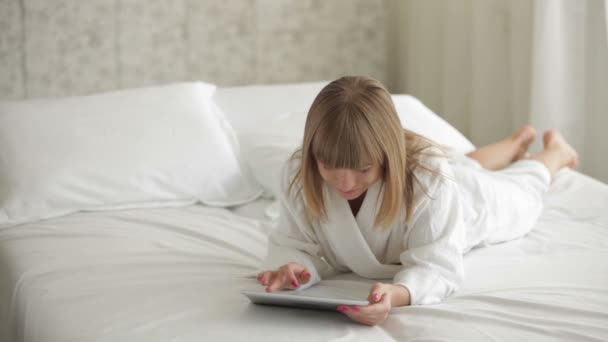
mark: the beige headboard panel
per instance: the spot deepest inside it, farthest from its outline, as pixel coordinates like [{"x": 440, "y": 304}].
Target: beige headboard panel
[{"x": 69, "y": 47}]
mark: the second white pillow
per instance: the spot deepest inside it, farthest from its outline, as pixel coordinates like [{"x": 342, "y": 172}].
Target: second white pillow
[{"x": 266, "y": 147}]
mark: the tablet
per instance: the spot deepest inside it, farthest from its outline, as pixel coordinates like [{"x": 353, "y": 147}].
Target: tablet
[{"x": 326, "y": 295}]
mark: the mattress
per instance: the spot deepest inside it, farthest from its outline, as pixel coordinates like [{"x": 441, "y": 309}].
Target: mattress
[{"x": 174, "y": 274}]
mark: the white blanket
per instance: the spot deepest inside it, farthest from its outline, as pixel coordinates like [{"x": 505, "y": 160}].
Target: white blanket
[{"x": 174, "y": 274}]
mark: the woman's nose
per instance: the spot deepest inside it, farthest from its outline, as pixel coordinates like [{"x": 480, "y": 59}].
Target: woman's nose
[{"x": 346, "y": 182}]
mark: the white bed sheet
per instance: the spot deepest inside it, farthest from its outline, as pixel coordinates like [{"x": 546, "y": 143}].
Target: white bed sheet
[
  {"x": 174, "y": 274},
  {"x": 262, "y": 209}
]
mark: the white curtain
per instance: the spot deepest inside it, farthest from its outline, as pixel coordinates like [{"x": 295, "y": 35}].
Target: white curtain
[{"x": 490, "y": 66}]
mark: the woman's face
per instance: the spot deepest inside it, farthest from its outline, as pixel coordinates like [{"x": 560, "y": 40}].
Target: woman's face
[{"x": 350, "y": 183}]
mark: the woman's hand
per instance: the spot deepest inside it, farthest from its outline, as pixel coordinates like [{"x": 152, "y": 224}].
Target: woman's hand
[
  {"x": 288, "y": 276},
  {"x": 382, "y": 297}
]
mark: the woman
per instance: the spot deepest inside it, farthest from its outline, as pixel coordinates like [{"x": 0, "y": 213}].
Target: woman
[{"x": 364, "y": 195}]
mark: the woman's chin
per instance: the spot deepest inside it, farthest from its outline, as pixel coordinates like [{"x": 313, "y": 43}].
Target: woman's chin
[{"x": 351, "y": 195}]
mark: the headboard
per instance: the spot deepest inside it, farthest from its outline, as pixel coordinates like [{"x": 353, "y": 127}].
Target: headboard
[{"x": 70, "y": 47}]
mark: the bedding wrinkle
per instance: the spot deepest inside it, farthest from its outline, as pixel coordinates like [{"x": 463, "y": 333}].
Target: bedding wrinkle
[
  {"x": 164, "y": 248},
  {"x": 488, "y": 315},
  {"x": 529, "y": 307},
  {"x": 569, "y": 332},
  {"x": 197, "y": 238}
]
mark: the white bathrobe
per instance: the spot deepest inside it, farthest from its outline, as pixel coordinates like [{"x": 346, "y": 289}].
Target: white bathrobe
[{"x": 468, "y": 206}]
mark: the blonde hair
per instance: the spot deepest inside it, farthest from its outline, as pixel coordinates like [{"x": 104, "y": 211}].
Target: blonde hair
[{"x": 353, "y": 121}]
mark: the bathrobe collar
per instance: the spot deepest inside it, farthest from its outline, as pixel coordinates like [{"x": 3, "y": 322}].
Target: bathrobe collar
[{"x": 344, "y": 232}]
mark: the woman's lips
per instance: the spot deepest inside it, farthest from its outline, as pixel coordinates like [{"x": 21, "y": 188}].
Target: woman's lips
[{"x": 349, "y": 193}]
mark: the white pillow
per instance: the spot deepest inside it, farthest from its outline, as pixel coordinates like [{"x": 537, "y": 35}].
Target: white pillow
[
  {"x": 419, "y": 118},
  {"x": 266, "y": 147},
  {"x": 251, "y": 107},
  {"x": 157, "y": 146}
]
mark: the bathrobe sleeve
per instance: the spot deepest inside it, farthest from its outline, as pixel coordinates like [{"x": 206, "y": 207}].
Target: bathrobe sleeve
[
  {"x": 433, "y": 257},
  {"x": 294, "y": 239}
]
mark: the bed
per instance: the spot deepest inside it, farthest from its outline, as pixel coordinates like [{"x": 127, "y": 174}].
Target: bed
[{"x": 173, "y": 273}]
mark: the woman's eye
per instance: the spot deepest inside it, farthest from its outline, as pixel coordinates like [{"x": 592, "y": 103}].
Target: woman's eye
[{"x": 365, "y": 170}]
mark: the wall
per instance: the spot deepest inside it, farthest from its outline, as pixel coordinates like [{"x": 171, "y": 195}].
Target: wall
[
  {"x": 67, "y": 47},
  {"x": 468, "y": 60}
]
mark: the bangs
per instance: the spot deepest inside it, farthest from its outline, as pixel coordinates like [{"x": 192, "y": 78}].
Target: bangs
[{"x": 345, "y": 140}]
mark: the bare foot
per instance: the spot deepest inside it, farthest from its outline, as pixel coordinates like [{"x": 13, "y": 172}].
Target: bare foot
[
  {"x": 553, "y": 140},
  {"x": 524, "y": 137}
]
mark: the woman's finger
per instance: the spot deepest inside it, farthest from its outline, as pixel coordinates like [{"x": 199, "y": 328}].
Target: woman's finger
[
  {"x": 304, "y": 277},
  {"x": 369, "y": 315},
  {"x": 357, "y": 315},
  {"x": 276, "y": 282},
  {"x": 261, "y": 276},
  {"x": 290, "y": 280},
  {"x": 268, "y": 277},
  {"x": 264, "y": 277},
  {"x": 376, "y": 293}
]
